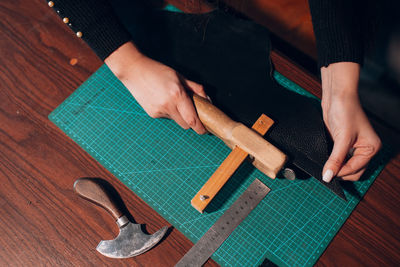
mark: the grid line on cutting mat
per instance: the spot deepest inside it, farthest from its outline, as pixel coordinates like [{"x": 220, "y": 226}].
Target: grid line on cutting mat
[{"x": 166, "y": 166}]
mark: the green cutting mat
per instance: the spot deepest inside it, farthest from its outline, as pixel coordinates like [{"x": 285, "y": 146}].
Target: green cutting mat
[{"x": 166, "y": 165}]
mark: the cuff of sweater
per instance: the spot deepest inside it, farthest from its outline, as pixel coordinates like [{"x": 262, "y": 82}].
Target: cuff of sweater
[
  {"x": 106, "y": 37},
  {"x": 338, "y": 31},
  {"x": 339, "y": 53}
]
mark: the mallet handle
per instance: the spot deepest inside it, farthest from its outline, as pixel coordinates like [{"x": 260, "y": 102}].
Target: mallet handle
[
  {"x": 215, "y": 121},
  {"x": 95, "y": 190}
]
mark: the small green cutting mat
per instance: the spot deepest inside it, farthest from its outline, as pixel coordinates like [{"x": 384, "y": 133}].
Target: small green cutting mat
[{"x": 166, "y": 165}]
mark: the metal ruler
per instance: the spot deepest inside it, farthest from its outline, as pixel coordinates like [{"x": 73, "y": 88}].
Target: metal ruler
[{"x": 226, "y": 224}]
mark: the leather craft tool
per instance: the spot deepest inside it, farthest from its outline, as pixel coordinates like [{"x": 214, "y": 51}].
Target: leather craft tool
[
  {"x": 225, "y": 225},
  {"x": 243, "y": 141},
  {"x": 131, "y": 240}
]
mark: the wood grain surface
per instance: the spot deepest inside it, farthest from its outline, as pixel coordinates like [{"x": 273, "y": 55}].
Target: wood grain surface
[{"x": 44, "y": 223}]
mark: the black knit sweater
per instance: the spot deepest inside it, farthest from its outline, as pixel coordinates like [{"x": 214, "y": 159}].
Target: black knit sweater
[
  {"x": 337, "y": 27},
  {"x": 339, "y": 30}
]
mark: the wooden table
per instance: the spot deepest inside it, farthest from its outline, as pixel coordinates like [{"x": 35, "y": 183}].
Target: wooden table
[{"x": 43, "y": 222}]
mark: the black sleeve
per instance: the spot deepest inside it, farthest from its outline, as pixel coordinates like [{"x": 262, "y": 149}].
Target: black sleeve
[
  {"x": 338, "y": 30},
  {"x": 95, "y": 22}
]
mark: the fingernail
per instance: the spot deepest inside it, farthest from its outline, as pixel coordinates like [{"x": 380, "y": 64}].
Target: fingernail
[
  {"x": 209, "y": 99},
  {"x": 328, "y": 175}
]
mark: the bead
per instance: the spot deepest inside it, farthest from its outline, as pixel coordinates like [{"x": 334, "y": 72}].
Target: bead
[
  {"x": 58, "y": 11},
  {"x": 65, "y": 20},
  {"x": 70, "y": 24},
  {"x": 50, "y": 3},
  {"x": 79, "y": 34}
]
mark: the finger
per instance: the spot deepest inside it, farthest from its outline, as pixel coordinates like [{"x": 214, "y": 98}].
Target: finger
[
  {"x": 196, "y": 88},
  {"x": 354, "y": 177},
  {"x": 361, "y": 156},
  {"x": 176, "y": 116},
  {"x": 335, "y": 161},
  {"x": 189, "y": 115}
]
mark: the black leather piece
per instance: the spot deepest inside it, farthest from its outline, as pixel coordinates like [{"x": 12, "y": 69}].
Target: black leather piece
[{"x": 230, "y": 57}]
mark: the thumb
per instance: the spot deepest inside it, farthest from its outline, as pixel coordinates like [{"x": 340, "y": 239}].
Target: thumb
[
  {"x": 196, "y": 88},
  {"x": 336, "y": 159}
]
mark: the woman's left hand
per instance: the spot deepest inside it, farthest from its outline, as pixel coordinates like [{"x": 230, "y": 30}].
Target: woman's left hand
[{"x": 347, "y": 123}]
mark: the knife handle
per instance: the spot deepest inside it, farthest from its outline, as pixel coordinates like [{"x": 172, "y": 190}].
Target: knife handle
[{"x": 95, "y": 191}]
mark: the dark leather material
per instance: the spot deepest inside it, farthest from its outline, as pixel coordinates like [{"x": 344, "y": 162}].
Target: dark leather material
[{"x": 230, "y": 57}]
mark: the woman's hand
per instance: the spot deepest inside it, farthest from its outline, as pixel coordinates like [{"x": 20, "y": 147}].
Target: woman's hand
[
  {"x": 347, "y": 123},
  {"x": 160, "y": 90}
]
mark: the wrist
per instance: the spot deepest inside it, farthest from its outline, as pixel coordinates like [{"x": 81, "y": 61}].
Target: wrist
[
  {"x": 340, "y": 81},
  {"x": 120, "y": 61}
]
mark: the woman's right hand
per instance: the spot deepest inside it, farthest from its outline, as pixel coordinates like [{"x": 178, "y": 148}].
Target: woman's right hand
[{"x": 159, "y": 89}]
